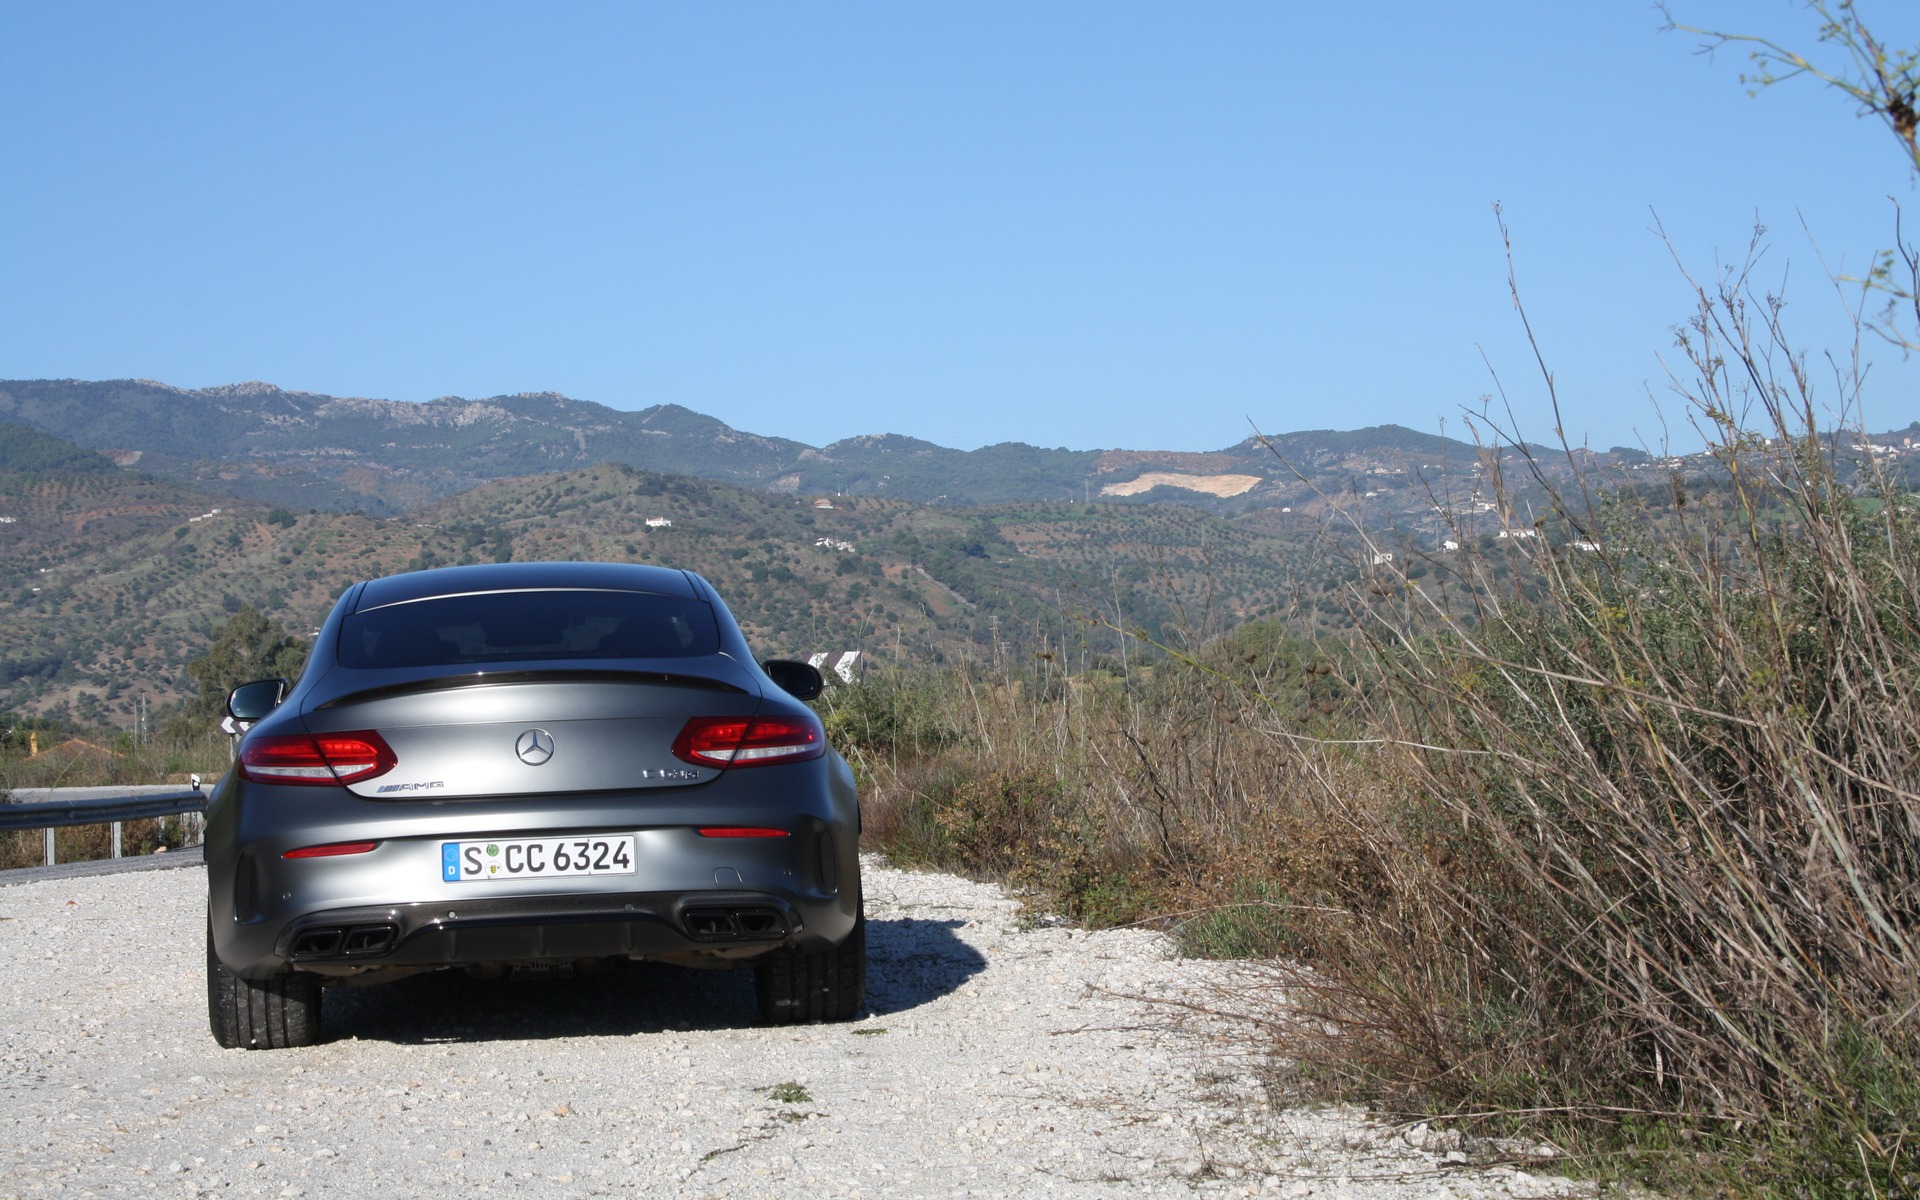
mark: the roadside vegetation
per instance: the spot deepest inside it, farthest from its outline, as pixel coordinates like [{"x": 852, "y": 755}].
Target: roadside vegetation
[
  {"x": 1621, "y": 852},
  {"x": 1617, "y": 849}
]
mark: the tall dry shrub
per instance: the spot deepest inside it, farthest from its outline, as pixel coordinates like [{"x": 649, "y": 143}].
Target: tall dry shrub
[
  {"x": 1642, "y": 839},
  {"x": 1109, "y": 797}
]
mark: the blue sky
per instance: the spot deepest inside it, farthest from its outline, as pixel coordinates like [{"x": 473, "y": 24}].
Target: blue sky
[{"x": 1093, "y": 225}]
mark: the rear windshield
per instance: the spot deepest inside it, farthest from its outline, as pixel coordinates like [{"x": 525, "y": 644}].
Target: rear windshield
[{"x": 490, "y": 627}]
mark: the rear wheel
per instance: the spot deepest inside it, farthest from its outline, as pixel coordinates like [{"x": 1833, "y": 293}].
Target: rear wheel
[
  {"x": 796, "y": 987},
  {"x": 265, "y": 1014}
]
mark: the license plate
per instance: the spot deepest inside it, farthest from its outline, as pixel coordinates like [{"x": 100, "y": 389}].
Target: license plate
[{"x": 536, "y": 858}]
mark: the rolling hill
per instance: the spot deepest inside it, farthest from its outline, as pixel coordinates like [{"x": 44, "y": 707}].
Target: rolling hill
[
  {"x": 384, "y": 457},
  {"x": 111, "y": 581},
  {"x": 134, "y": 517}
]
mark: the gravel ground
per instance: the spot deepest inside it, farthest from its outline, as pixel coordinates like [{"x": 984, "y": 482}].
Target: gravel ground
[{"x": 994, "y": 1059}]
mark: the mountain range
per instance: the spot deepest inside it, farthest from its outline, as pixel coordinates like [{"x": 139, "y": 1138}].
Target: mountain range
[
  {"x": 384, "y": 457},
  {"x": 135, "y": 516}
]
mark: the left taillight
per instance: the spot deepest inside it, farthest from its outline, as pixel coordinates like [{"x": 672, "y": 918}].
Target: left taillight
[
  {"x": 322, "y": 759},
  {"x": 749, "y": 741}
]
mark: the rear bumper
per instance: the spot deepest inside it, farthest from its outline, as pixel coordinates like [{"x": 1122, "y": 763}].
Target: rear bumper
[
  {"x": 735, "y": 926},
  {"x": 689, "y": 897}
]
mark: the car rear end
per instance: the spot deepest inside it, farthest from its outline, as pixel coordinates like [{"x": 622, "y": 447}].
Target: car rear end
[{"x": 545, "y": 763}]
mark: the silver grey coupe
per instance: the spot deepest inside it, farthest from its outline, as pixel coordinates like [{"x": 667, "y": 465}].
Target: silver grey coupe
[{"x": 529, "y": 766}]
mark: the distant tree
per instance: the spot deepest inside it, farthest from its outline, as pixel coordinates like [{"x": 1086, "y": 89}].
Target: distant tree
[
  {"x": 248, "y": 647},
  {"x": 28, "y": 450},
  {"x": 18, "y": 731}
]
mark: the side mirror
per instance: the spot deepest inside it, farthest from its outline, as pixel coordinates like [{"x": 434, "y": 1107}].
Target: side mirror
[
  {"x": 798, "y": 679},
  {"x": 251, "y": 701}
]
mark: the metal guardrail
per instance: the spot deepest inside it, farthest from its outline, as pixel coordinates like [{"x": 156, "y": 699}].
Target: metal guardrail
[{"x": 110, "y": 809}]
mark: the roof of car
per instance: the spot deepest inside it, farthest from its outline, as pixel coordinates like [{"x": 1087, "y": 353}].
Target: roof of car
[{"x": 508, "y": 577}]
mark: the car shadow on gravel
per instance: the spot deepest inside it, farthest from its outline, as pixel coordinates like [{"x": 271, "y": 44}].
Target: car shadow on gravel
[{"x": 910, "y": 962}]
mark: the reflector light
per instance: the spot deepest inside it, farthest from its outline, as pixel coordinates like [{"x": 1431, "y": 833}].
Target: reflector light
[
  {"x": 740, "y": 831},
  {"x": 749, "y": 741},
  {"x": 324, "y": 759},
  {"x": 331, "y": 851}
]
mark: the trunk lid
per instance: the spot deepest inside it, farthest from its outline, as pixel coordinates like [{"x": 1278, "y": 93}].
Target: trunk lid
[{"x": 531, "y": 733}]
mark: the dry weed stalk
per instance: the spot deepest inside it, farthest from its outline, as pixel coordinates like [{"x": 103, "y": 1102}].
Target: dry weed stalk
[{"x": 1642, "y": 835}]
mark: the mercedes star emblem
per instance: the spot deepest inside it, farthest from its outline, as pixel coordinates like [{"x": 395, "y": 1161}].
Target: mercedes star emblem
[{"x": 534, "y": 747}]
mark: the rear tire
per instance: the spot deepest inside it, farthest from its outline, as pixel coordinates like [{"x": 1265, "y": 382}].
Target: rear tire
[
  {"x": 265, "y": 1014},
  {"x": 796, "y": 987}
]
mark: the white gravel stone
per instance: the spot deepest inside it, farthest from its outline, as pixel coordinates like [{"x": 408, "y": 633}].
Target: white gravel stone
[{"x": 994, "y": 1059}]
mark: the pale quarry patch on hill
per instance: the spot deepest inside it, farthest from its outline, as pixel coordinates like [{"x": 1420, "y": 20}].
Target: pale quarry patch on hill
[{"x": 1212, "y": 485}]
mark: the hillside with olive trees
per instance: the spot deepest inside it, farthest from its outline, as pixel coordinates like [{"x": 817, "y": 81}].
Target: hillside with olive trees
[{"x": 111, "y": 581}]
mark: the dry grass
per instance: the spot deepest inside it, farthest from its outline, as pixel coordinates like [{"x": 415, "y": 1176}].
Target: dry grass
[
  {"x": 1641, "y": 840},
  {"x": 83, "y": 843},
  {"x": 1619, "y": 848},
  {"x": 1108, "y": 797}
]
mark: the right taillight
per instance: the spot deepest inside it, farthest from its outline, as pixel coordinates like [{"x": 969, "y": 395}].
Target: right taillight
[
  {"x": 725, "y": 742},
  {"x": 322, "y": 759}
]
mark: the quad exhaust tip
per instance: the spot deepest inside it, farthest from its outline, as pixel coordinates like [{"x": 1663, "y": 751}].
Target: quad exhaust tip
[
  {"x": 352, "y": 941},
  {"x": 734, "y": 924}
]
